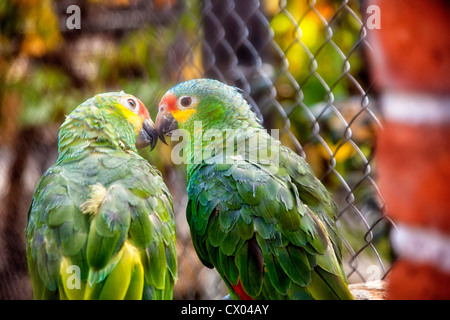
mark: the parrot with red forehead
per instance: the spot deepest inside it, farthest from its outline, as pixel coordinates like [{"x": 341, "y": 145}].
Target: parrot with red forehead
[
  {"x": 101, "y": 225},
  {"x": 256, "y": 211}
]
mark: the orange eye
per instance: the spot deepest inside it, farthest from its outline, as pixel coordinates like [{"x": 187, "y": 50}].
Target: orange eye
[
  {"x": 185, "y": 101},
  {"x": 132, "y": 103}
]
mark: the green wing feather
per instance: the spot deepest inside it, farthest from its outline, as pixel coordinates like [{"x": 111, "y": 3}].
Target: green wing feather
[
  {"x": 272, "y": 234},
  {"x": 110, "y": 216}
]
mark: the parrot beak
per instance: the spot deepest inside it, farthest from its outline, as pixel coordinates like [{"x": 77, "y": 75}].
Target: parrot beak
[
  {"x": 165, "y": 124},
  {"x": 147, "y": 136}
]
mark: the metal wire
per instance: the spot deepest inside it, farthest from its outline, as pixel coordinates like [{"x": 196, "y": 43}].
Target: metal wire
[
  {"x": 300, "y": 64},
  {"x": 223, "y": 60}
]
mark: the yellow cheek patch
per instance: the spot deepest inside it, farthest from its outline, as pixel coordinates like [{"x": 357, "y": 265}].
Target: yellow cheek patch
[
  {"x": 132, "y": 117},
  {"x": 183, "y": 115}
]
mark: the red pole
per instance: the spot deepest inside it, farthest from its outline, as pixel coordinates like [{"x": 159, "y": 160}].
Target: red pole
[{"x": 411, "y": 65}]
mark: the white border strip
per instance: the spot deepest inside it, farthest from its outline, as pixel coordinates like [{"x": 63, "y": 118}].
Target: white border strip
[
  {"x": 422, "y": 245},
  {"x": 416, "y": 108}
]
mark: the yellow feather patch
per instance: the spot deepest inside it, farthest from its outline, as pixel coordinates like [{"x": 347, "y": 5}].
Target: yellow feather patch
[
  {"x": 96, "y": 197},
  {"x": 133, "y": 252},
  {"x": 183, "y": 115},
  {"x": 132, "y": 117},
  {"x": 72, "y": 287}
]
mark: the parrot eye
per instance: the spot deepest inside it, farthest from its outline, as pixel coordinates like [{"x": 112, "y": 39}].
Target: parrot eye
[
  {"x": 185, "y": 101},
  {"x": 132, "y": 103}
]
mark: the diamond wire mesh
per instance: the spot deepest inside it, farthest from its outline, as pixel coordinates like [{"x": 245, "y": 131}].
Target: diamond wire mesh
[
  {"x": 301, "y": 65},
  {"x": 241, "y": 46}
]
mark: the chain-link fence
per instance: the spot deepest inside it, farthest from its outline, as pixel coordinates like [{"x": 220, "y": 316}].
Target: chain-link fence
[{"x": 301, "y": 65}]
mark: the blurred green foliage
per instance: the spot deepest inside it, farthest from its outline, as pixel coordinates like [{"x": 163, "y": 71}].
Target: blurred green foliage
[
  {"x": 46, "y": 71},
  {"x": 321, "y": 51}
]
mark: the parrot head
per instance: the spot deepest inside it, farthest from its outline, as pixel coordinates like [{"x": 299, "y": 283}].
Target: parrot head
[
  {"x": 126, "y": 114},
  {"x": 212, "y": 102}
]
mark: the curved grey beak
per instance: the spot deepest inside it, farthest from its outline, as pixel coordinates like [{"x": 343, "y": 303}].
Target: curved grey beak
[
  {"x": 148, "y": 135},
  {"x": 165, "y": 125}
]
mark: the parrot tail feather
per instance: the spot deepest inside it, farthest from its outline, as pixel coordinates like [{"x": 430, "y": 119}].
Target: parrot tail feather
[{"x": 241, "y": 292}]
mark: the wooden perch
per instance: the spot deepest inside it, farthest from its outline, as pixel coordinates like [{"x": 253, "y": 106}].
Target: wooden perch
[{"x": 372, "y": 290}]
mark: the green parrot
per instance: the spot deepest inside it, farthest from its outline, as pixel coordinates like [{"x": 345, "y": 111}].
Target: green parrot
[
  {"x": 101, "y": 225},
  {"x": 256, "y": 211}
]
